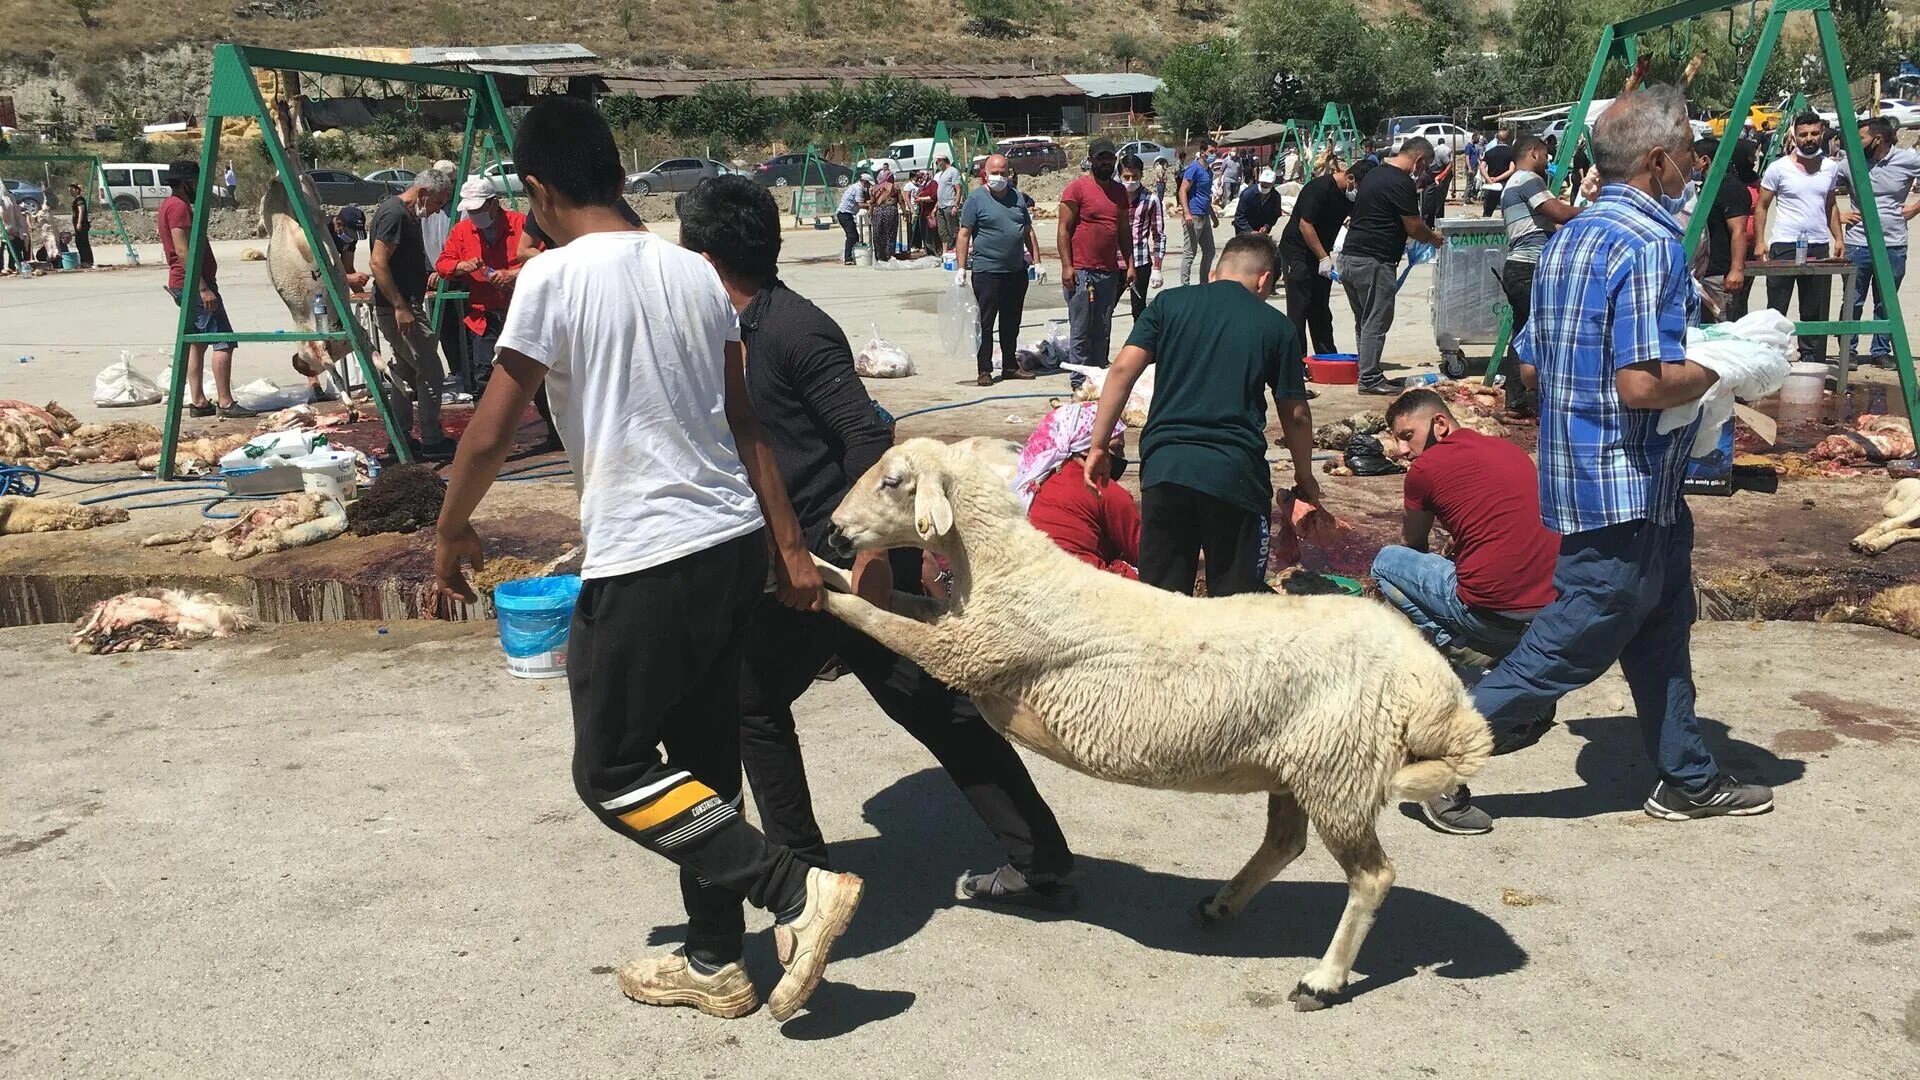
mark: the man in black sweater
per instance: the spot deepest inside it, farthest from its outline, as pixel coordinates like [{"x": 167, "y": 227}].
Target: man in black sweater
[
  {"x": 825, "y": 434},
  {"x": 1306, "y": 247}
]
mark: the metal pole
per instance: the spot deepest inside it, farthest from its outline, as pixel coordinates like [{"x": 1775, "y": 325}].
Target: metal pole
[
  {"x": 189, "y": 295},
  {"x": 1742, "y": 103}
]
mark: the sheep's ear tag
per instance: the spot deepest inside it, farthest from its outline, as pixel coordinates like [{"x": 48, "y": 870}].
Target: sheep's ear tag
[{"x": 932, "y": 513}]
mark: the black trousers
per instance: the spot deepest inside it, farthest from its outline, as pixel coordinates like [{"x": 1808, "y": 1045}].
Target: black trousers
[
  {"x": 1816, "y": 293},
  {"x": 851, "y": 225},
  {"x": 1137, "y": 292},
  {"x": 467, "y": 368},
  {"x": 785, "y": 648},
  {"x": 1310, "y": 306},
  {"x": 1003, "y": 299},
  {"x": 1178, "y": 523},
  {"x": 83, "y": 240},
  {"x": 654, "y": 661}
]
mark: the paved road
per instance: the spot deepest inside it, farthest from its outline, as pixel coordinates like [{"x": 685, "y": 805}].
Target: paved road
[{"x": 324, "y": 851}]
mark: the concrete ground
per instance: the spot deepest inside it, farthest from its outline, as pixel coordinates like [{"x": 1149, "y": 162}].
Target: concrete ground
[{"x": 337, "y": 851}]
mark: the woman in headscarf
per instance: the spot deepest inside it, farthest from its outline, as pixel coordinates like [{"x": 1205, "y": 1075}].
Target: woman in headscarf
[
  {"x": 884, "y": 202},
  {"x": 1099, "y": 527}
]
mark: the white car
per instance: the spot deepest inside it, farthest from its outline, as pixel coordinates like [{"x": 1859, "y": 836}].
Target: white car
[
  {"x": 1901, "y": 111},
  {"x": 504, "y": 178},
  {"x": 1453, "y": 135},
  {"x": 1150, "y": 152}
]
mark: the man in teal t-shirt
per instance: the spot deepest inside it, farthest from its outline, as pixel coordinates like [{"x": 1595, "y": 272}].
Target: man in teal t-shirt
[{"x": 1204, "y": 480}]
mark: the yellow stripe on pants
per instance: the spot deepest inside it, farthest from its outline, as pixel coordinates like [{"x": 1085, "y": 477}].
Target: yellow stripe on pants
[{"x": 673, "y": 801}]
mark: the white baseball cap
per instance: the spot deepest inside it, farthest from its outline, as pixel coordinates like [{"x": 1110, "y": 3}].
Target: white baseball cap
[
  {"x": 445, "y": 166},
  {"x": 1266, "y": 176},
  {"x": 475, "y": 193}
]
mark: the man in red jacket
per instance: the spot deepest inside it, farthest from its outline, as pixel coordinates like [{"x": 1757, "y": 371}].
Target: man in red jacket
[{"x": 481, "y": 256}]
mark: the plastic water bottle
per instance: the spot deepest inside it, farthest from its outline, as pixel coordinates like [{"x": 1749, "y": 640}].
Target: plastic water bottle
[
  {"x": 1800, "y": 250},
  {"x": 1431, "y": 378},
  {"x": 26, "y": 359},
  {"x": 946, "y": 262},
  {"x": 1033, "y": 272},
  {"x": 322, "y": 318}
]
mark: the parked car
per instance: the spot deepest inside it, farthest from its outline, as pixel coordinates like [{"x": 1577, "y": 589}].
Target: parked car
[
  {"x": 27, "y": 193},
  {"x": 504, "y": 178},
  {"x": 1833, "y": 118},
  {"x": 675, "y": 174},
  {"x": 1901, "y": 111},
  {"x": 1393, "y": 127},
  {"x": 786, "y": 170},
  {"x": 1437, "y": 132},
  {"x": 134, "y": 185},
  {"x": 337, "y": 187},
  {"x": 1150, "y": 152},
  {"x": 397, "y": 179},
  {"x": 906, "y": 156}
]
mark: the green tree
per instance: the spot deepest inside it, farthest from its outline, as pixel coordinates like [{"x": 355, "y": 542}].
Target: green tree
[
  {"x": 1209, "y": 86},
  {"x": 1124, "y": 46},
  {"x": 806, "y": 17},
  {"x": 1000, "y": 18}
]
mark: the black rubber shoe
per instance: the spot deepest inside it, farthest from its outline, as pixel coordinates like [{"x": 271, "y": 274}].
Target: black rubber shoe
[
  {"x": 1455, "y": 814},
  {"x": 1383, "y": 388},
  {"x": 201, "y": 410},
  {"x": 236, "y": 411},
  {"x": 1008, "y": 886},
  {"x": 1724, "y": 796}
]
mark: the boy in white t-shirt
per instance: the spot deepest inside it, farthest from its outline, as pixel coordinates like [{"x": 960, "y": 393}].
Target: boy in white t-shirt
[
  {"x": 1796, "y": 201},
  {"x": 640, "y": 351}
]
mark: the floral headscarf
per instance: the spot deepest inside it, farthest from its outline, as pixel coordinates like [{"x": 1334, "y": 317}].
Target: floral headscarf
[{"x": 1066, "y": 431}]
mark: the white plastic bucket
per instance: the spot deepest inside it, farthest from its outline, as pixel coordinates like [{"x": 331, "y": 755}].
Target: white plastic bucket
[
  {"x": 329, "y": 472},
  {"x": 862, "y": 255},
  {"x": 1805, "y": 383}
]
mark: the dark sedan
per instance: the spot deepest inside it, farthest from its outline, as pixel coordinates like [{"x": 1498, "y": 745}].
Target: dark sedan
[
  {"x": 336, "y": 187},
  {"x": 675, "y": 174},
  {"x": 792, "y": 170}
]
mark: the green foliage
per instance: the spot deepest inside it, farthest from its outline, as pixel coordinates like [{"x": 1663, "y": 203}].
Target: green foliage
[
  {"x": 727, "y": 110},
  {"x": 628, "y": 111},
  {"x": 806, "y": 18},
  {"x": 448, "y": 18},
  {"x": 87, "y": 10},
  {"x": 1125, "y": 47},
  {"x": 1002, "y": 18},
  {"x": 394, "y": 135},
  {"x": 1210, "y": 85},
  {"x": 877, "y": 110}
]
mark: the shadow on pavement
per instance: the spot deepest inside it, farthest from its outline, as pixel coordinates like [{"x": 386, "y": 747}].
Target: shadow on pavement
[
  {"x": 1612, "y": 763},
  {"x": 928, "y": 836}
]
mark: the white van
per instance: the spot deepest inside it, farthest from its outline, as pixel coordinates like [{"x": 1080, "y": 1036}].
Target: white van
[
  {"x": 134, "y": 185},
  {"x": 907, "y": 155}
]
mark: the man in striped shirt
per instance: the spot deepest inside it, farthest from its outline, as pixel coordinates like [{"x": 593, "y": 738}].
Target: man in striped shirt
[
  {"x": 1611, "y": 303},
  {"x": 1149, "y": 233}
]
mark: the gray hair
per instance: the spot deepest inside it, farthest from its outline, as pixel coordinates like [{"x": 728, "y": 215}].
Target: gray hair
[
  {"x": 434, "y": 182},
  {"x": 1653, "y": 116}
]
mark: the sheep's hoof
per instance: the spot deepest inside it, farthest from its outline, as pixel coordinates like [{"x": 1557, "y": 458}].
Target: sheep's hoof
[
  {"x": 1306, "y": 999},
  {"x": 1208, "y": 913}
]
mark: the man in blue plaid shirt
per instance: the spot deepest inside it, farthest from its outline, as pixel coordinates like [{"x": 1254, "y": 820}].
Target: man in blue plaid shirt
[{"x": 1611, "y": 302}]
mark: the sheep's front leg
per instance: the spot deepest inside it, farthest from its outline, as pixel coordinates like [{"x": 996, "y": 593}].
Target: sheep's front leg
[
  {"x": 925, "y": 644},
  {"x": 912, "y": 605},
  {"x": 1356, "y": 847},
  {"x": 1286, "y": 838},
  {"x": 1888, "y": 533}
]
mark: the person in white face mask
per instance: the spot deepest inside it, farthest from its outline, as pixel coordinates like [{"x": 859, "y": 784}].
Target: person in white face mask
[
  {"x": 1259, "y": 207},
  {"x": 482, "y": 259},
  {"x": 1148, "y": 221},
  {"x": 1796, "y": 203},
  {"x": 993, "y": 248},
  {"x": 400, "y": 265}
]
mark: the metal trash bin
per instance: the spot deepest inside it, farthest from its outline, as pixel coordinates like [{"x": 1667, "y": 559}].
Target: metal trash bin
[{"x": 1466, "y": 298}]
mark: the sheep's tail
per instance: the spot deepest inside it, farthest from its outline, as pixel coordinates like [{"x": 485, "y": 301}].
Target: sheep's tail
[{"x": 1447, "y": 749}]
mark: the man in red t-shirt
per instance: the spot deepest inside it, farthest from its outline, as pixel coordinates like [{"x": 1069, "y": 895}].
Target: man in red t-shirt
[
  {"x": 1486, "y": 494},
  {"x": 1096, "y": 253},
  {"x": 206, "y": 314}
]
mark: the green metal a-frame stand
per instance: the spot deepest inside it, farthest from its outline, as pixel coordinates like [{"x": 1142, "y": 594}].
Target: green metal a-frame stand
[
  {"x": 1619, "y": 41},
  {"x": 235, "y": 92},
  {"x": 1337, "y": 121},
  {"x": 96, "y": 176},
  {"x": 1292, "y": 134}
]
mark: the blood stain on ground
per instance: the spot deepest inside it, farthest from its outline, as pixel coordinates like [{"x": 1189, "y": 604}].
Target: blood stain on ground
[{"x": 1840, "y": 716}]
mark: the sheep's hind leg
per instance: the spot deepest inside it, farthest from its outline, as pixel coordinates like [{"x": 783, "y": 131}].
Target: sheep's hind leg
[
  {"x": 1369, "y": 876},
  {"x": 1286, "y": 838}
]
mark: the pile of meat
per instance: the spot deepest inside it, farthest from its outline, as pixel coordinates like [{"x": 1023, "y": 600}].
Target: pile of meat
[
  {"x": 52, "y": 437},
  {"x": 289, "y": 521},
  {"x": 1874, "y": 438},
  {"x": 1478, "y": 407},
  {"x": 21, "y": 514},
  {"x": 155, "y": 619}
]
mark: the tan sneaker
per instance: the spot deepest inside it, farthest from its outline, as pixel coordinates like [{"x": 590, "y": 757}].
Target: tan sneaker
[
  {"x": 802, "y": 944},
  {"x": 669, "y": 980}
]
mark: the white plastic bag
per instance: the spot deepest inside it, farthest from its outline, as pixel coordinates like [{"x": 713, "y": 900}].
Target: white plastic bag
[
  {"x": 959, "y": 322},
  {"x": 882, "y": 359},
  {"x": 1139, "y": 402},
  {"x": 118, "y": 385},
  {"x": 1752, "y": 358}
]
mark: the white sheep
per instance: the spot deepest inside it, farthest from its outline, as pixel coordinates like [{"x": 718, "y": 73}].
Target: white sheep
[
  {"x": 1902, "y": 510},
  {"x": 1331, "y": 705}
]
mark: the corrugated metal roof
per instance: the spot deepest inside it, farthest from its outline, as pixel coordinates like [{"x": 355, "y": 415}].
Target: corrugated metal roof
[
  {"x": 502, "y": 54},
  {"x": 1116, "y": 84},
  {"x": 553, "y": 70},
  {"x": 979, "y": 81}
]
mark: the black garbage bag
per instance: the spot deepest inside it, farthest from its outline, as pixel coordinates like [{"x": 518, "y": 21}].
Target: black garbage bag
[{"x": 1366, "y": 457}]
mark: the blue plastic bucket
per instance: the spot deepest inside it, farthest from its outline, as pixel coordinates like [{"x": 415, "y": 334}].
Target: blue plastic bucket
[{"x": 535, "y": 616}]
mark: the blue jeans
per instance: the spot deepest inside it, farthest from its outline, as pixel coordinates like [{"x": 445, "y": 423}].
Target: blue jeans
[
  {"x": 1862, "y": 258},
  {"x": 206, "y": 322},
  {"x": 1090, "y": 314},
  {"x": 1426, "y": 589},
  {"x": 1626, "y": 594}
]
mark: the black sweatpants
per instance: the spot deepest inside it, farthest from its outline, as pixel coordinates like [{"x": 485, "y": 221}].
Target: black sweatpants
[
  {"x": 1137, "y": 292},
  {"x": 1310, "y": 306},
  {"x": 851, "y": 226},
  {"x": 1177, "y": 523},
  {"x": 1003, "y": 299},
  {"x": 83, "y": 241},
  {"x": 654, "y": 661},
  {"x": 785, "y": 648}
]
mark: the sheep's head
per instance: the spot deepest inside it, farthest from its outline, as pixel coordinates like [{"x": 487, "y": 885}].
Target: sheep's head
[{"x": 906, "y": 499}]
